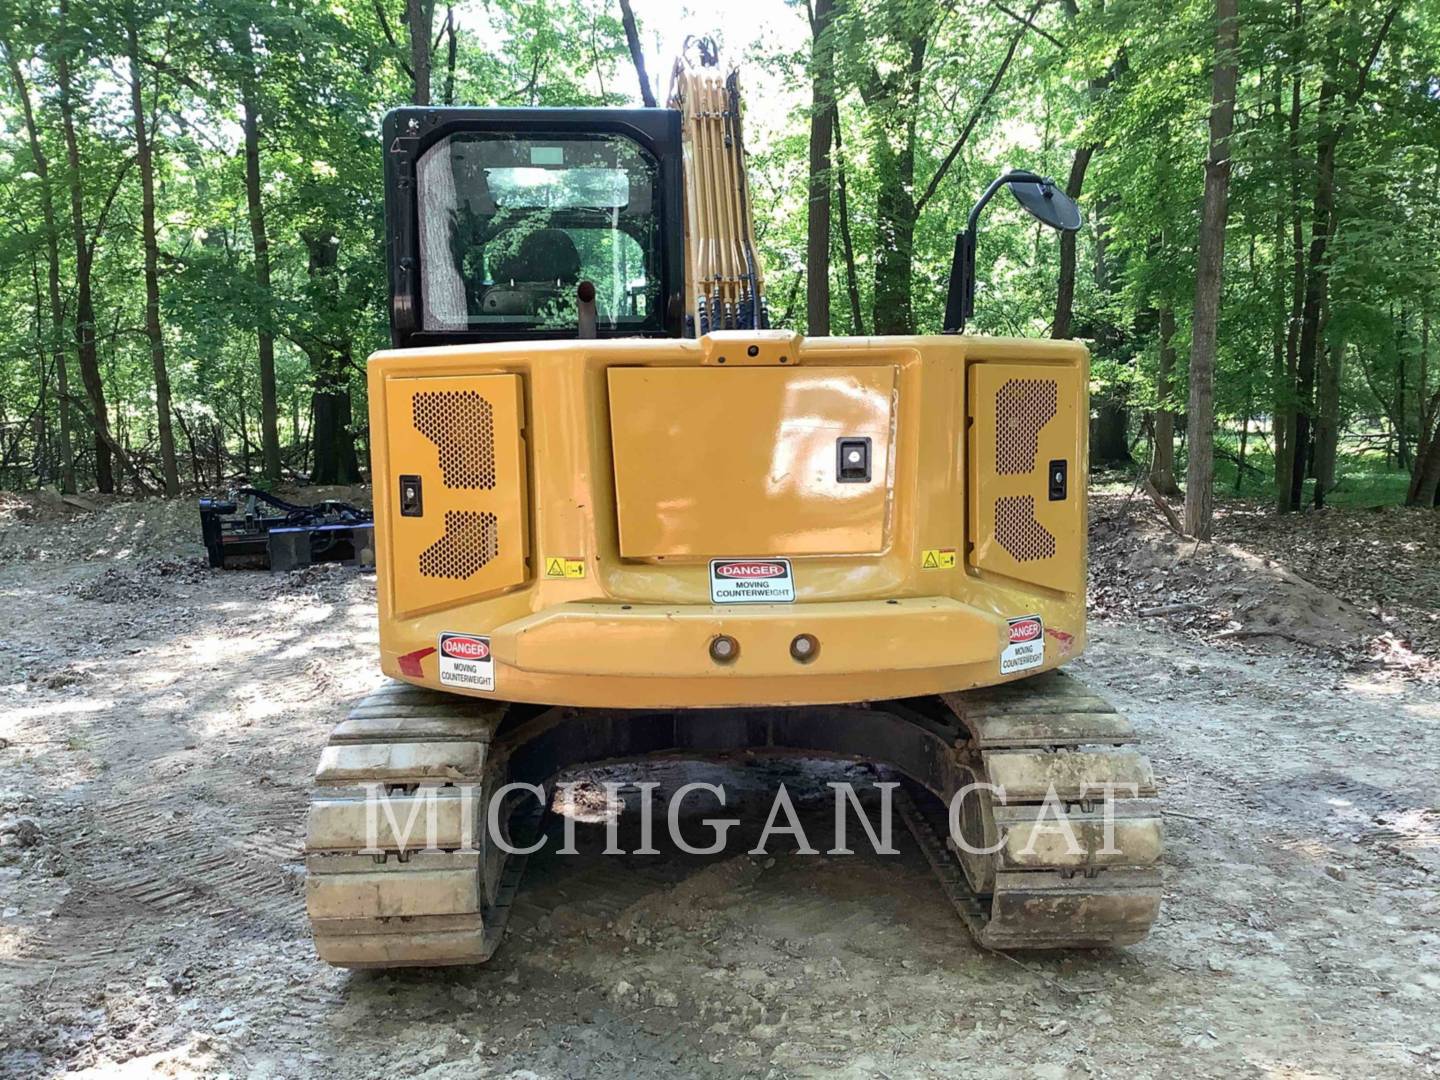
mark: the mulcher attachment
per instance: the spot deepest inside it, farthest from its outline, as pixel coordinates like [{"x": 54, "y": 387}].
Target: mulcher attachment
[
  {"x": 255, "y": 528},
  {"x": 1066, "y": 858}
]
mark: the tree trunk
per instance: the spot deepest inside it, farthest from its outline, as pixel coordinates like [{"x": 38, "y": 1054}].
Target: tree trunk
[
  {"x": 1327, "y": 430},
  {"x": 1317, "y": 281},
  {"x": 39, "y": 419},
  {"x": 1425, "y": 474},
  {"x": 892, "y": 311},
  {"x": 1428, "y": 406},
  {"x": 242, "y": 428},
  {"x": 144, "y": 159},
  {"x": 822, "y": 119},
  {"x": 452, "y": 55},
  {"x": 260, "y": 243},
  {"x": 420, "y": 18},
  {"x": 1244, "y": 442},
  {"x": 1162, "y": 471},
  {"x": 1426, "y": 486},
  {"x": 637, "y": 54},
  {"x": 1402, "y": 432},
  {"x": 1110, "y": 422},
  {"x": 84, "y": 254},
  {"x": 1110, "y": 432},
  {"x": 847, "y": 242},
  {"x": 1065, "y": 297},
  {"x": 195, "y": 473},
  {"x": 52, "y": 252},
  {"x": 1317, "y": 278},
  {"x": 1200, "y": 468},
  {"x": 1279, "y": 395},
  {"x": 333, "y": 436},
  {"x": 1286, "y": 456}
]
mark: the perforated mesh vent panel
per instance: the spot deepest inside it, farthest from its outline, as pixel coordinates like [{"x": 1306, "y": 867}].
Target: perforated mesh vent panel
[
  {"x": 461, "y": 424},
  {"x": 1022, "y": 408},
  {"x": 471, "y": 540},
  {"x": 1017, "y": 530}
]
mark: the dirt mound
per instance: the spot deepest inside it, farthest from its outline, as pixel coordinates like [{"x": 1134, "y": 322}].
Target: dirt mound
[
  {"x": 694, "y": 901},
  {"x": 45, "y": 526},
  {"x": 115, "y": 530},
  {"x": 1222, "y": 590},
  {"x": 1385, "y": 560},
  {"x": 47, "y": 504},
  {"x": 1226, "y": 592},
  {"x": 145, "y": 581}
]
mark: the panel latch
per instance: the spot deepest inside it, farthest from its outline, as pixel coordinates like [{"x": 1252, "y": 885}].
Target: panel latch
[
  {"x": 852, "y": 460},
  {"x": 1059, "y": 473},
  {"x": 412, "y": 497}
]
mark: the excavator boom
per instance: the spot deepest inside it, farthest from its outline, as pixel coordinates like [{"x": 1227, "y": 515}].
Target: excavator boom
[{"x": 723, "y": 282}]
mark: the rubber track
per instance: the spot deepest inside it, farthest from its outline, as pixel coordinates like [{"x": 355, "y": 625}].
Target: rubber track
[
  {"x": 416, "y": 742},
  {"x": 1049, "y": 729}
]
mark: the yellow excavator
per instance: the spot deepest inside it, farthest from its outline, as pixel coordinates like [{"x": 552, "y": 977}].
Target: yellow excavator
[{"x": 618, "y": 515}]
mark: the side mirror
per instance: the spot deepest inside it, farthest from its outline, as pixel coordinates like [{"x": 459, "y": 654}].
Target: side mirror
[
  {"x": 1047, "y": 204},
  {"x": 1040, "y": 197}
]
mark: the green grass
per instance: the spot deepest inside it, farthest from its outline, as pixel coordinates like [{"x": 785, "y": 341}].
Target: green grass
[
  {"x": 1364, "y": 486},
  {"x": 1362, "y": 479}
]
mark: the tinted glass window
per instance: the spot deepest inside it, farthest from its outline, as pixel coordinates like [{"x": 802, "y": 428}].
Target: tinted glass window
[{"x": 509, "y": 226}]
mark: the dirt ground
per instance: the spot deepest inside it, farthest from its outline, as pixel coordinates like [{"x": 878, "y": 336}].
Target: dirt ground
[{"x": 159, "y": 723}]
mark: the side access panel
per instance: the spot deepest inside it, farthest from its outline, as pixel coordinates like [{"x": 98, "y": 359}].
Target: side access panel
[
  {"x": 1027, "y": 473},
  {"x": 457, "y": 521},
  {"x": 744, "y": 460}
]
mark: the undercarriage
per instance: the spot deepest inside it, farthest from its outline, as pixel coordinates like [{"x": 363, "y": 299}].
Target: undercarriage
[{"x": 1028, "y": 800}]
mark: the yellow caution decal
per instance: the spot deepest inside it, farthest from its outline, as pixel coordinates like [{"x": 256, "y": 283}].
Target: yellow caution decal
[
  {"x": 937, "y": 559},
  {"x": 559, "y": 567}
]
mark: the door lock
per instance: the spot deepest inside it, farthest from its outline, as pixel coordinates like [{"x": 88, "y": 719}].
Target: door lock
[
  {"x": 1059, "y": 482},
  {"x": 412, "y": 497},
  {"x": 852, "y": 460}
]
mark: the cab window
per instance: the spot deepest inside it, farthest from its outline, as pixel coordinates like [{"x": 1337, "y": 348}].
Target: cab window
[{"x": 510, "y": 225}]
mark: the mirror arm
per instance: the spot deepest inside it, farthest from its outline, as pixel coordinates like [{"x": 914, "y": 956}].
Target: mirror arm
[{"x": 960, "y": 297}]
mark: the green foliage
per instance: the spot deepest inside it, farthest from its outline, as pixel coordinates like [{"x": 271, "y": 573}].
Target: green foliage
[
  {"x": 322, "y": 77},
  {"x": 934, "y": 98}
]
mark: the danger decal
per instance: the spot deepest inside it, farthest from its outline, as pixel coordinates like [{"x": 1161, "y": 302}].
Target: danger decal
[
  {"x": 1026, "y": 646},
  {"x": 465, "y": 661},
  {"x": 751, "y": 581}
]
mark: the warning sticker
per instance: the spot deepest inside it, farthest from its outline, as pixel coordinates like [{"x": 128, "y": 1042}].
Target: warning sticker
[
  {"x": 751, "y": 581},
  {"x": 1026, "y": 648},
  {"x": 937, "y": 559},
  {"x": 555, "y": 566},
  {"x": 465, "y": 661}
]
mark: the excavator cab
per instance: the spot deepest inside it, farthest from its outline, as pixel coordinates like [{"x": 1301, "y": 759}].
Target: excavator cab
[
  {"x": 495, "y": 216},
  {"x": 617, "y": 515}
]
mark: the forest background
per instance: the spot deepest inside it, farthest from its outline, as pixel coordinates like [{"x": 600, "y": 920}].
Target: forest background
[{"x": 191, "y": 252}]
